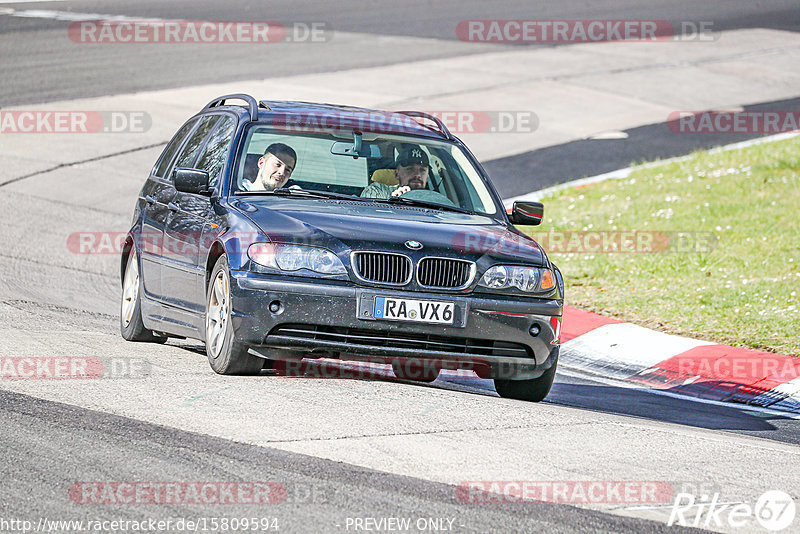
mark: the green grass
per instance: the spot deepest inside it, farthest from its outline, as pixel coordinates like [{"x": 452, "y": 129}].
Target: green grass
[{"x": 743, "y": 291}]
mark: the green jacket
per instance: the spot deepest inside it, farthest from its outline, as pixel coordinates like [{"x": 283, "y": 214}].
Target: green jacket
[{"x": 377, "y": 190}]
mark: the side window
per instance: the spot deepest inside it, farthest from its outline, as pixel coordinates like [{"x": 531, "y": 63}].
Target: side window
[
  {"x": 213, "y": 157},
  {"x": 189, "y": 153},
  {"x": 172, "y": 148}
]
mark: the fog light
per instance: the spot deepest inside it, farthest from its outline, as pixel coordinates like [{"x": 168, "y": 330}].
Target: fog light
[
  {"x": 275, "y": 306},
  {"x": 534, "y": 330}
]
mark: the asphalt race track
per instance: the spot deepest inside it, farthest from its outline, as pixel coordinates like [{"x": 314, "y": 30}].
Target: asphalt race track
[
  {"x": 31, "y": 53},
  {"x": 348, "y": 451}
]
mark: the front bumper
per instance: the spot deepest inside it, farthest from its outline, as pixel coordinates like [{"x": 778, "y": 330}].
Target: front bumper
[{"x": 318, "y": 317}]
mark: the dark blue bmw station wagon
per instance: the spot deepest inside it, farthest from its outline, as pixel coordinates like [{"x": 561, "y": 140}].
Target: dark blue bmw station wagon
[{"x": 279, "y": 231}]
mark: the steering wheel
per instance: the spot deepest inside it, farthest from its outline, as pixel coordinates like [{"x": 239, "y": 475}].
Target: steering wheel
[{"x": 429, "y": 196}]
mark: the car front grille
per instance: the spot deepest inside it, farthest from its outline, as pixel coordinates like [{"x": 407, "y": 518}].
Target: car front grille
[
  {"x": 383, "y": 267},
  {"x": 359, "y": 338},
  {"x": 445, "y": 273}
]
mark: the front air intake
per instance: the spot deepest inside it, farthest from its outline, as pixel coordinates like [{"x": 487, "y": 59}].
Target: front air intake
[
  {"x": 445, "y": 273},
  {"x": 383, "y": 267}
]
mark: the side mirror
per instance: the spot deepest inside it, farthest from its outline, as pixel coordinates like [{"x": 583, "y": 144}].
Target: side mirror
[
  {"x": 191, "y": 181},
  {"x": 529, "y": 213}
]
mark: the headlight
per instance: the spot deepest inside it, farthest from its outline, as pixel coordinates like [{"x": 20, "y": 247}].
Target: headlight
[
  {"x": 296, "y": 257},
  {"x": 527, "y": 279}
]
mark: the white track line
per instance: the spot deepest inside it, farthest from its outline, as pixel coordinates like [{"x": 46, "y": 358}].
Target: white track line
[
  {"x": 71, "y": 16},
  {"x": 27, "y": 1}
]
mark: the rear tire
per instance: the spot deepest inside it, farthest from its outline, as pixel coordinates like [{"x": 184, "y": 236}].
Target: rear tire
[
  {"x": 225, "y": 354},
  {"x": 533, "y": 390},
  {"x": 131, "y": 325}
]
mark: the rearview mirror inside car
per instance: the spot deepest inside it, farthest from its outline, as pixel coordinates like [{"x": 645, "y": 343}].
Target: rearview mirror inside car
[
  {"x": 366, "y": 150},
  {"x": 191, "y": 181},
  {"x": 529, "y": 213}
]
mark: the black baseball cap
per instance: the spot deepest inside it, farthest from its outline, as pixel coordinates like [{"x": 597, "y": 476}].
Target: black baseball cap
[{"x": 411, "y": 156}]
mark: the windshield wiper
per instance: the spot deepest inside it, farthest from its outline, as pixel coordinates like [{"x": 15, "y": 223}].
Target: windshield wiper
[
  {"x": 296, "y": 191},
  {"x": 424, "y": 204}
]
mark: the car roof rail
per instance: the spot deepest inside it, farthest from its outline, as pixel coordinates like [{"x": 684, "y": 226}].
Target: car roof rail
[
  {"x": 439, "y": 124},
  {"x": 252, "y": 105}
]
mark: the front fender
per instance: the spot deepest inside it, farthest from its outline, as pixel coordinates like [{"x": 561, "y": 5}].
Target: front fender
[{"x": 233, "y": 241}]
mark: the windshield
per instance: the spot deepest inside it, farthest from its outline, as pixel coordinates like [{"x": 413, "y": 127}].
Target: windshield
[{"x": 415, "y": 169}]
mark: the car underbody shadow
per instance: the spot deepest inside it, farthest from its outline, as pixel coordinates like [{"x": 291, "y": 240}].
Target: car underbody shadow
[
  {"x": 581, "y": 393},
  {"x": 649, "y": 404}
]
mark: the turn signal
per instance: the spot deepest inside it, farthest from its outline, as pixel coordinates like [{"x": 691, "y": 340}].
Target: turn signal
[{"x": 547, "y": 279}]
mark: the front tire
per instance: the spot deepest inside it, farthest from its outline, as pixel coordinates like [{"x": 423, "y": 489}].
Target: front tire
[
  {"x": 225, "y": 354},
  {"x": 533, "y": 390},
  {"x": 131, "y": 325}
]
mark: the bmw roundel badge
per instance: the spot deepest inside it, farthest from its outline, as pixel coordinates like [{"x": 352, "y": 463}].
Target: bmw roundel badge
[{"x": 414, "y": 245}]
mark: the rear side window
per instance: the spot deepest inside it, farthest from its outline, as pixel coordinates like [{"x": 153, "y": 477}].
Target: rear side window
[
  {"x": 172, "y": 148},
  {"x": 188, "y": 155},
  {"x": 213, "y": 158}
]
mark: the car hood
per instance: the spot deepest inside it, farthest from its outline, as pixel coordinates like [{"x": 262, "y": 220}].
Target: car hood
[{"x": 342, "y": 226}]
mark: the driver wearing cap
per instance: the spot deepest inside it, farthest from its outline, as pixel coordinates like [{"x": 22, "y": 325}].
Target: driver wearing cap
[{"x": 411, "y": 172}]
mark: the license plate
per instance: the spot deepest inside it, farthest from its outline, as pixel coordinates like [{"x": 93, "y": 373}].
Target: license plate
[{"x": 420, "y": 311}]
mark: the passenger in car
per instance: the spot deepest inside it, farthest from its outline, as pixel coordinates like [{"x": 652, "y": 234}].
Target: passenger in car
[
  {"x": 411, "y": 172},
  {"x": 274, "y": 168}
]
